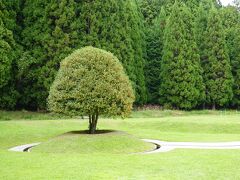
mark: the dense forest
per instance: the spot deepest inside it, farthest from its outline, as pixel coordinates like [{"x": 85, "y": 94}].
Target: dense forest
[{"x": 180, "y": 54}]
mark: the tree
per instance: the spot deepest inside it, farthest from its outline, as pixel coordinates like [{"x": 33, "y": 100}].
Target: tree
[
  {"x": 53, "y": 29},
  {"x": 154, "y": 39},
  {"x": 234, "y": 47},
  {"x": 117, "y": 27},
  {"x": 61, "y": 40},
  {"x": 32, "y": 60},
  {"x": 201, "y": 24},
  {"x": 216, "y": 64},
  {"x": 50, "y": 34},
  {"x": 91, "y": 82},
  {"x": 150, "y": 10},
  {"x": 231, "y": 23},
  {"x": 139, "y": 46},
  {"x": 8, "y": 53},
  {"x": 181, "y": 74},
  {"x": 6, "y": 43}
]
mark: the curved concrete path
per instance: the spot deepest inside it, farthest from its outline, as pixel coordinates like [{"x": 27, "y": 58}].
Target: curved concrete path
[
  {"x": 161, "y": 146},
  {"x": 23, "y": 148},
  {"x": 168, "y": 146}
]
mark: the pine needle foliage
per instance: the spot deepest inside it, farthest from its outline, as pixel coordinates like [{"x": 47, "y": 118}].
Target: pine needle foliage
[
  {"x": 154, "y": 39},
  {"x": 117, "y": 28},
  {"x": 216, "y": 63},
  {"x": 8, "y": 94},
  {"x": 181, "y": 74},
  {"x": 231, "y": 24}
]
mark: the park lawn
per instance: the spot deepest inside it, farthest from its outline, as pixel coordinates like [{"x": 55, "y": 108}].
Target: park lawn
[
  {"x": 114, "y": 142},
  {"x": 176, "y": 164}
]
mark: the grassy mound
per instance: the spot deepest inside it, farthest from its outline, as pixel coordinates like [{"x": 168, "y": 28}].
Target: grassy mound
[{"x": 101, "y": 142}]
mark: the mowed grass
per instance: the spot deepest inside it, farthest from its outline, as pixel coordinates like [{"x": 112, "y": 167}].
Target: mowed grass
[
  {"x": 210, "y": 126},
  {"x": 109, "y": 142}
]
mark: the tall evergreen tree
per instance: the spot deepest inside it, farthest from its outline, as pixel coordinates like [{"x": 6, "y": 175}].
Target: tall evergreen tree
[
  {"x": 8, "y": 54},
  {"x": 201, "y": 23},
  {"x": 154, "y": 40},
  {"x": 31, "y": 61},
  {"x": 216, "y": 64},
  {"x": 49, "y": 36},
  {"x": 181, "y": 80},
  {"x": 139, "y": 47},
  {"x": 12, "y": 13},
  {"x": 54, "y": 28},
  {"x": 61, "y": 39},
  {"x": 231, "y": 23},
  {"x": 150, "y": 10},
  {"x": 7, "y": 42},
  {"x": 115, "y": 26},
  {"x": 234, "y": 51}
]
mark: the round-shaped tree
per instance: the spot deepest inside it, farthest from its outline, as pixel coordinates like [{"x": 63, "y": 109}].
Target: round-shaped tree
[{"x": 91, "y": 82}]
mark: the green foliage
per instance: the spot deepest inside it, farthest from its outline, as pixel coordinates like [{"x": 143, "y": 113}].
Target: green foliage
[
  {"x": 139, "y": 45},
  {"x": 235, "y": 62},
  {"x": 118, "y": 28},
  {"x": 154, "y": 41},
  {"x": 32, "y": 60},
  {"x": 150, "y": 10},
  {"x": 201, "y": 25},
  {"x": 91, "y": 82},
  {"x": 55, "y": 28},
  {"x": 6, "y": 43},
  {"x": 181, "y": 75},
  {"x": 8, "y": 93},
  {"x": 215, "y": 61},
  {"x": 49, "y": 36},
  {"x": 12, "y": 13},
  {"x": 36, "y": 35},
  {"x": 231, "y": 23}
]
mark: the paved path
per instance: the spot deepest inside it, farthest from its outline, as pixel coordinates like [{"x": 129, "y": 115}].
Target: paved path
[
  {"x": 162, "y": 146},
  {"x": 23, "y": 148},
  {"x": 168, "y": 146}
]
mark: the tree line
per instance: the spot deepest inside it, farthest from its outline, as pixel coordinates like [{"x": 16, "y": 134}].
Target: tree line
[{"x": 179, "y": 54}]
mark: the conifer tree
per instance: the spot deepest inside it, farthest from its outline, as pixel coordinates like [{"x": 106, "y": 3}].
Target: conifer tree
[
  {"x": 115, "y": 26},
  {"x": 181, "y": 79},
  {"x": 216, "y": 64},
  {"x": 201, "y": 23},
  {"x": 7, "y": 56},
  {"x": 150, "y": 10},
  {"x": 53, "y": 29},
  {"x": 139, "y": 47},
  {"x": 154, "y": 41},
  {"x": 49, "y": 36},
  {"x": 61, "y": 39},
  {"x": 234, "y": 52},
  {"x": 231, "y": 23},
  {"x": 12, "y": 13},
  {"x": 7, "y": 42},
  {"x": 31, "y": 61}
]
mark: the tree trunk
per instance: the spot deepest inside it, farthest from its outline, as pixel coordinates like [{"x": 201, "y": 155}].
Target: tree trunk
[
  {"x": 214, "y": 106},
  {"x": 93, "y": 119},
  {"x": 204, "y": 106}
]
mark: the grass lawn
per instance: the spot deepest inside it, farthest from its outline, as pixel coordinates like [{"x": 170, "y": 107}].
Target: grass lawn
[
  {"x": 114, "y": 142},
  {"x": 17, "y": 128}
]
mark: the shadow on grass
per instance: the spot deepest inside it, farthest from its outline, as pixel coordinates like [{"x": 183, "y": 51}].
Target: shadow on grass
[{"x": 97, "y": 132}]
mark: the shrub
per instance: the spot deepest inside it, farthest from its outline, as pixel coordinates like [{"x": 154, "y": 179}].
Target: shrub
[{"x": 91, "y": 82}]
